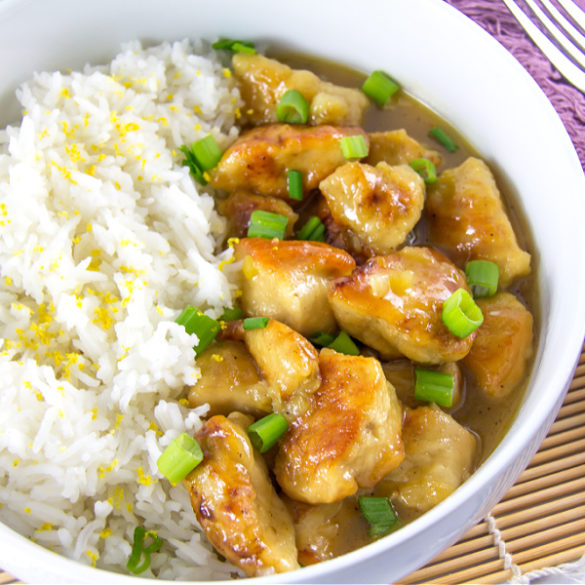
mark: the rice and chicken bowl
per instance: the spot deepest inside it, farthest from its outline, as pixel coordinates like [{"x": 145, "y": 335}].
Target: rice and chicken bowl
[{"x": 106, "y": 238}]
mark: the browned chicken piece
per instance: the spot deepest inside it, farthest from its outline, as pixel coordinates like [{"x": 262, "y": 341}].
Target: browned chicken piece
[
  {"x": 287, "y": 280},
  {"x": 502, "y": 350},
  {"x": 400, "y": 373},
  {"x": 259, "y": 160},
  {"x": 469, "y": 222},
  {"x": 230, "y": 380},
  {"x": 236, "y": 504},
  {"x": 238, "y": 208},
  {"x": 440, "y": 455},
  {"x": 263, "y": 81},
  {"x": 289, "y": 363},
  {"x": 396, "y": 147},
  {"x": 394, "y": 304},
  {"x": 326, "y": 531},
  {"x": 380, "y": 204},
  {"x": 349, "y": 437}
]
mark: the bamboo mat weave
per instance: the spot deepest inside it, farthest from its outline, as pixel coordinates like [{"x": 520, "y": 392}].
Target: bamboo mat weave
[{"x": 541, "y": 521}]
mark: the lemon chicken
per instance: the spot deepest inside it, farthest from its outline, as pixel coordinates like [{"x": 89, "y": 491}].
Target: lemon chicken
[{"x": 341, "y": 329}]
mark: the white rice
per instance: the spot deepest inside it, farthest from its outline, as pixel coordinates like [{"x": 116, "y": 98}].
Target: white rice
[{"x": 104, "y": 238}]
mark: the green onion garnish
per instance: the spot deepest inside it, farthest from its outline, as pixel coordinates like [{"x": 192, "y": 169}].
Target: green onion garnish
[
  {"x": 295, "y": 185},
  {"x": 433, "y": 386},
  {"x": 235, "y": 46},
  {"x": 443, "y": 138},
  {"x": 206, "y": 152},
  {"x": 231, "y": 314},
  {"x": 380, "y": 515},
  {"x": 292, "y": 108},
  {"x": 354, "y": 146},
  {"x": 181, "y": 457},
  {"x": 139, "y": 551},
  {"x": 255, "y": 323},
  {"x": 460, "y": 313},
  {"x": 323, "y": 339},
  {"x": 264, "y": 433},
  {"x": 265, "y": 224},
  {"x": 426, "y": 169},
  {"x": 191, "y": 162},
  {"x": 380, "y": 87},
  {"x": 194, "y": 321},
  {"x": 313, "y": 230},
  {"x": 343, "y": 343},
  {"x": 482, "y": 277}
]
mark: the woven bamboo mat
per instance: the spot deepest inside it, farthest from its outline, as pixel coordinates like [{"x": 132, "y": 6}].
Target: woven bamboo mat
[{"x": 541, "y": 521}]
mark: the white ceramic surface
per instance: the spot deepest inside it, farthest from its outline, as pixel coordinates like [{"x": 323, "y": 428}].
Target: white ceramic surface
[{"x": 445, "y": 60}]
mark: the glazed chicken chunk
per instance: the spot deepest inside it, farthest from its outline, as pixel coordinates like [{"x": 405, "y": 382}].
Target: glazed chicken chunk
[
  {"x": 501, "y": 352},
  {"x": 394, "y": 304},
  {"x": 263, "y": 81},
  {"x": 236, "y": 504},
  {"x": 380, "y": 205},
  {"x": 259, "y": 160},
  {"x": 287, "y": 280},
  {"x": 439, "y": 457},
  {"x": 349, "y": 437},
  {"x": 468, "y": 220},
  {"x": 396, "y": 147}
]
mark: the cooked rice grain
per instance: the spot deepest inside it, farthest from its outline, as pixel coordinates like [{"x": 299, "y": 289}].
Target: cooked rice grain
[{"x": 104, "y": 239}]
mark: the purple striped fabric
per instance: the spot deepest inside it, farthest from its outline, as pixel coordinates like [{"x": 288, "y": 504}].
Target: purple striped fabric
[{"x": 569, "y": 102}]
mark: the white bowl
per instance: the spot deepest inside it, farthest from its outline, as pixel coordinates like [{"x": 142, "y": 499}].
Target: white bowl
[{"x": 443, "y": 59}]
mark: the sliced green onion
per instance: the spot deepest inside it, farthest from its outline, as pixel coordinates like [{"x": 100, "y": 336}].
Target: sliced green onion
[
  {"x": 194, "y": 321},
  {"x": 380, "y": 515},
  {"x": 343, "y": 343},
  {"x": 313, "y": 230},
  {"x": 380, "y": 87},
  {"x": 255, "y": 323},
  {"x": 433, "y": 386},
  {"x": 482, "y": 277},
  {"x": 426, "y": 169},
  {"x": 264, "y": 433},
  {"x": 235, "y": 46},
  {"x": 207, "y": 153},
  {"x": 265, "y": 224},
  {"x": 180, "y": 458},
  {"x": 140, "y": 552},
  {"x": 295, "y": 185},
  {"x": 292, "y": 108},
  {"x": 354, "y": 146},
  {"x": 323, "y": 339},
  {"x": 460, "y": 313},
  {"x": 191, "y": 162},
  {"x": 231, "y": 314},
  {"x": 443, "y": 138}
]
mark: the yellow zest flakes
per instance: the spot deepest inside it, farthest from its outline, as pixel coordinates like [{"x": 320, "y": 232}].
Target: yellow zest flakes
[
  {"x": 88, "y": 227},
  {"x": 65, "y": 92},
  {"x": 197, "y": 110},
  {"x": 16, "y": 463},
  {"x": 69, "y": 132},
  {"x": 173, "y": 108},
  {"x": 27, "y": 510},
  {"x": 91, "y": 171},
  {"x": 103, "y": 469},
  {"x": 101, "y": 157},
  {"x": 27, "y": 384},
  {"x": 130, "y": 270},
  {"x": 45, "y": 527},
  {"x": 93, "y": 556},
  {"x": 94, "y": 413},
  {"x": 125, "y": 243},
  {"x": 227, "y": 73},
  {"x": 224, "y": 263},
  {"x": 86, "y": 118},
  {"x": 144, "y": 479},
  {"x": 238, "y": 293},
  {"x": 44, "y": 132},
  {"x": 184, "y": 402},
  {"x": 117, "y": 185},
  {"x": 8, "y": 281},
  {"x": 65, "y": 172},
  {"x": 197, "y": 127},
  {"x": 18, "y": 252},
  {"x": 39, "y": 396},
  {"x": 217, "y": 358},
  {"x": 159, "y": 310},
  {"x": 116, "y": 498},
  {"x": 62, "y": 415},
  {"x": 103, "y": 318},
  {"x": 163, "y": 121},
  {"x": 233, "y": 241},
  {"x": 74, "y": 153},
  {"x": 222, "y": 324},
  {"x": 105, "y": 533},
  {"x": 170, "y": 97},
  {"x": 238, "y": 113},
  {"x": 38, "y": 249},
  {"x": 152, "y": 426}
]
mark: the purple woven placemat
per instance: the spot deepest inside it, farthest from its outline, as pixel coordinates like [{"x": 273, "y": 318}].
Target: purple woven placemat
[{"x": 569, "y": 102}]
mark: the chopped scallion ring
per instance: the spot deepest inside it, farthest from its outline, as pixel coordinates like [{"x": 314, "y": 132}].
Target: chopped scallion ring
[
  {"x": 264, "y": 433},
  {"x": 443, "y": 138},
  {"x": 353, "y": 146},
  {"x": 426, "y": 169},
  {"x": 343, "y": 343},
  {"x": 255, "y": 323},
  {"x": 460, "y": 313},
  {"x": 313, "y": 230},
  {"x": 191, "y": 162},
  {"x": 434, "y": 386},
  {"x": 292, "y": 108},
  {"x": 194, "y": 321},
  {"x": 295, "y": 185},
  {"x": 482, "y": 277},
  {"x": 265, "y": 224},
  {"x": 231, "y": 314},
  {"x": 380, "y": 515},
  {"x": 380, "y": 87},
  {"x": 207, "y": 153},
  {"x": 139, "y": 551},
  {"x": 181, "y": 457},
  {"x": 323, "y": 339},
  {"x": 235, "y": 46}
]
